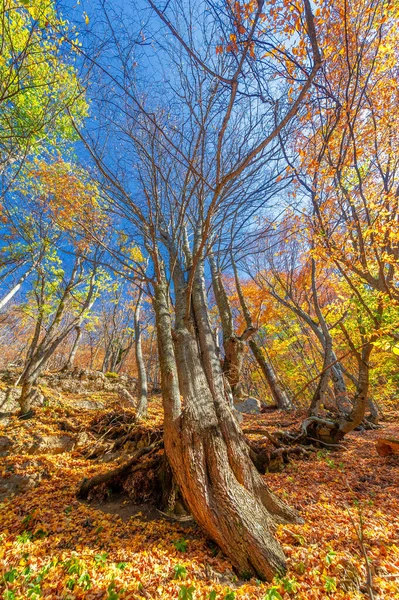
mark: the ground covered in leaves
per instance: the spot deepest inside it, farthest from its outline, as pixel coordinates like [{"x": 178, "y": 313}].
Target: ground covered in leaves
[{"x": 54, "y": 546}]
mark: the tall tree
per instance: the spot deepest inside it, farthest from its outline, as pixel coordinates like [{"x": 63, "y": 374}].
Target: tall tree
[{"x": 193, "y": 152}]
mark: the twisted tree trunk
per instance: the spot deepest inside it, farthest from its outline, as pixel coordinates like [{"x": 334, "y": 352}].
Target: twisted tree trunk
[{"x": 204, "y": 444}]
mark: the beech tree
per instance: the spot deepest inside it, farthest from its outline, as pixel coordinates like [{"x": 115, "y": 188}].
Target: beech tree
[{"x": 191, "y": 153}]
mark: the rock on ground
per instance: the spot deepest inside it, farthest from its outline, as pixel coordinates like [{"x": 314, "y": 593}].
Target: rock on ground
[
  {"x": 5, "y": 445},
  {"x": 250, "y": 406},
  {"x": 52, "y": 444}
]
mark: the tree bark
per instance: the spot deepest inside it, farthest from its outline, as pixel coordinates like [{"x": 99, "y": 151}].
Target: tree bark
[
  {"x": 340, "y": 389},
  {"x": 142, "y": 405},
  {"x": 322, "y": 387},
  {"x": 334, "y": 431},
  {"x": 279, "y": 395},
  {"x": 40, "y": 351},
  {"x": 4, "y": 301},
  {"x": 233, "y": 345},
  {"x": 71, "y": 359},
  {"x": 205, "y": 446},
  {"x": 361, "y": 399}
]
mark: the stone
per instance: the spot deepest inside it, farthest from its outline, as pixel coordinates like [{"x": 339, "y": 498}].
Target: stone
[
  {"x": 9, "y": 400},
  {"x": 16, "y": 484},
  {"x": 5, "y": 445},
  {"x": 125, "y": 398},
  {"x": 109, "y": 457},
  {"x": 87, "y": 404},
  {"x": 52, "y": 444},
  {"x": 249, "y": 406}
]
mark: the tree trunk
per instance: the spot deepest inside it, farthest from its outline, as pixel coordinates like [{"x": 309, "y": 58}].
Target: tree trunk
[
  {"x": 206, "y": 448},
  {"x": 278, "y": 394},
  {"x": 28, "y": 393},
  {"x": 319, "y": 396},
  {"x": 233, "y": 345},
  {"x": 142, "y": 405},
  {"x": 340, "y": 389},
  {"x": 69, "y": 363},
  {"x": 232, "y": 364},
  {"x": 374, "y": 412},
  {"x": 334, "y": 432},
  {"x": 16, "y": 288},
  {"x": 322, "y": 386},
  {"x": 361, "y": 399}
]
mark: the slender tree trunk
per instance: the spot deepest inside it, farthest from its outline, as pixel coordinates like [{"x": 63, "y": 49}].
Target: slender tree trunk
[
  {"x": 105, "y": 363},
  {"x": 93, "y": 357},
  {"x": 4, "y": 301},
  {"x": 342, "y": 400},
  {"x": 205, "y": 446},
  {"x": 322, "y": 386},
  {"x": 233, "y": 345},
  {"x": 37, "y": 362},
  {"x": 361, "y": 400},
  {"x": 340, "y": 389},
  {"x": 69, "y": 363},
  {"x": 279, "y": 395},
  {"x": 374, "y": 411},
  {"x": 142, "y": 405},
  {"x": 320, "y": 394}
]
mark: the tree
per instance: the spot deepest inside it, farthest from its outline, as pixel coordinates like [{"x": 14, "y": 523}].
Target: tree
[
  {"x": 142, "y": 405},
  {"x": 55, "y": 294},
  {"x": 39, "y": 85},
  {"x": 192, "y": 153},
  {"x": 347, "y": 162},
  {"x": 279, "y": 395}
]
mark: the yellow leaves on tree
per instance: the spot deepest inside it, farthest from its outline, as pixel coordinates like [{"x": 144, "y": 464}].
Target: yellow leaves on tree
[{"x": 67, "y": 194}]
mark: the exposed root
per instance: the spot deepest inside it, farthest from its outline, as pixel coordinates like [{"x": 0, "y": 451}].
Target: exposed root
[
  {"x": 121, "y": 472},
  {"x": 271, "y": 461},
  {"x": 325, "y": 444},
  {"x": 313, "y": 431},
  {"x": 368, "y": 424},
  {"x": 117, "y": 432}
]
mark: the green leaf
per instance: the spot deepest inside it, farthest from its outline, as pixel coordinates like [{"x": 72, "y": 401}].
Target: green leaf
[
  {"x": 181, "y": 545},
  {"x": 272, "y": 594},
  {"x": 186, "y": 593},
  {"x": 180, "y": 572}
]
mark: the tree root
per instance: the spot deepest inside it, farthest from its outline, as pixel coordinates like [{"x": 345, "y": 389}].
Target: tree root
[
  {"x": 272, "y": 461},
  {"x": 368, "y": 424},
  {"x": 131, "y": 466},
  {"x": 313, "y": 431},
  {"x": 116, "y": 432}
]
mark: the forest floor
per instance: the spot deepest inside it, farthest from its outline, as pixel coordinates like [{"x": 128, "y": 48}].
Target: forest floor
[{"x": 54, "y": 546}]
